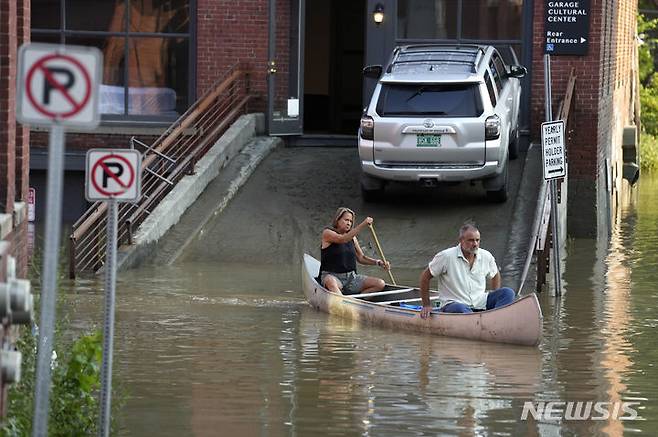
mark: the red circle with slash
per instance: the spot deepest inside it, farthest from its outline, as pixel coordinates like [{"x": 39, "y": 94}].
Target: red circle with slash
[
  {"x": 41, "y": 67},
  {"x": 101, "y": 164}
]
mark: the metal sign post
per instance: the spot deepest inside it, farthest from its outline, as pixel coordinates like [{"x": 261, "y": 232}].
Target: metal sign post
[
  {"x": 57, "y": 86},
  {"x": 108, "y": 330},
  {"x": 557, "y": 270},
  {"x": 49, "y": 280},
  {"x": 113, "y": 175}
]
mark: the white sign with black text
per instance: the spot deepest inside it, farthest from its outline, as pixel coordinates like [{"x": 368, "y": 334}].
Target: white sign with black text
[{"x": 553, "y": 149}]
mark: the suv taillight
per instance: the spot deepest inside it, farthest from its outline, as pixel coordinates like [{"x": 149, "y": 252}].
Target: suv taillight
[
  {"x": 492, "y": 128},
  {"x": 367, "y": 129}
]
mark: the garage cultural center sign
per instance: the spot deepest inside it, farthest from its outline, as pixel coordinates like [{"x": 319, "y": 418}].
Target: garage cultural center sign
[{"x": 567, "y": 27}]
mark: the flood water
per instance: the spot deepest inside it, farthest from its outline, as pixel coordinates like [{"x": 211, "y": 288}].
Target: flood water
[{"x": 207, "y": 348}]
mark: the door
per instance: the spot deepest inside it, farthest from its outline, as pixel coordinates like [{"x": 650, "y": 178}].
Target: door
[{"x": 285, "y": 60}]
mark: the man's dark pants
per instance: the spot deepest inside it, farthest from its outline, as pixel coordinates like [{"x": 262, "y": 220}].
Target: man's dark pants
[{"x": 495, "y": 299}]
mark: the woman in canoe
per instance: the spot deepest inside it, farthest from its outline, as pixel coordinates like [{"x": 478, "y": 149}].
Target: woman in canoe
[{"x": 340, "y": 252}]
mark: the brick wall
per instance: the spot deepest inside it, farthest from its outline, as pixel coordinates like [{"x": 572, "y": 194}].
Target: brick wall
[
  {"x": 22, "y": 133},
  {"x": 8, "y": 48},
  {"x": 230, "y": 32},
  {"x": 623, "y": 81},
  {"x": 604, "y": 80},
  {"x": 14, "y": 145},
  {"x": 14, "y": 138}
]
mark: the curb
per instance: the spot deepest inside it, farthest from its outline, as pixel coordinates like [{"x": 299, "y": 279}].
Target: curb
[{"x": 525, "y": 206}]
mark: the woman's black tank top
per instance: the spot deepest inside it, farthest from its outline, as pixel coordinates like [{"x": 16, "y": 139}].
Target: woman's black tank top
[{"x": 338, "y": 258}]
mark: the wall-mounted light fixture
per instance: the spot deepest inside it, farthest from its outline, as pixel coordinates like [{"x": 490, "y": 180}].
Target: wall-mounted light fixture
[{"x": 378, "y": 13}]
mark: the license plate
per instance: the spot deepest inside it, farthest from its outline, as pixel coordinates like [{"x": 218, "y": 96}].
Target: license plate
[{"x": 428, "y": 140}]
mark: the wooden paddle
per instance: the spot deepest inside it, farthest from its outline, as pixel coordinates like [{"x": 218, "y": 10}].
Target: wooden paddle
[{"x": 381, "y": 252}]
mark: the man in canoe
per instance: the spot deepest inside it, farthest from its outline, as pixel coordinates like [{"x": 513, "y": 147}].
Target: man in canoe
[
  {"x": 340, "y": 251},
  {"x": 463, "y": 271}
]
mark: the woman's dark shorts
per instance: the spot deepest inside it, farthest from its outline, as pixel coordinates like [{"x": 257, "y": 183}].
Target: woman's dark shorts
[{"x": 351, "y": 282}]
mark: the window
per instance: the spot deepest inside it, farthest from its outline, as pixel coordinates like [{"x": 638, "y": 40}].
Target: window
[
  {"x": 500, "y": 66},
  {"x": 146, "y": 46},
  {"x": 422, "y": 19},
  {"x": 492, "y": 19},
  {"x": 496, "y": 76},
  {"x": 480, "y": 20},
  {"x": 440, "y": 100},
  {"x": 490, "y": 88}
]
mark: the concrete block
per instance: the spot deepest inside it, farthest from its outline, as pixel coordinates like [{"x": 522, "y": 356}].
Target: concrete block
[
  {"x": 629, "y": 137},
  {"x": 6, "y": 225},
  {"x": 20, "y": 213}
]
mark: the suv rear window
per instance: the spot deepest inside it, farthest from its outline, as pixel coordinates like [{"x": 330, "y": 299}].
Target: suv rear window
[{"x": 438, "y": 100}]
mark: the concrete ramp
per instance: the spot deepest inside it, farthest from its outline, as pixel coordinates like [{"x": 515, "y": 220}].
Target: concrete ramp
[
  {"x": 214, "y": 199},
  {"x": 186, "y": 192}
]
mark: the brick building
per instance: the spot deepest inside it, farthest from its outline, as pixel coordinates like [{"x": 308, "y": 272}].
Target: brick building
[
  {"x": 606, "y": 109},
  {"x": 14, "y": 139},
  {"x": 306, "y": 58}
]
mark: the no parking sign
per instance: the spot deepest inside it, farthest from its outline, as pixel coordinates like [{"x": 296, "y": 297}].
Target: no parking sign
[
  {"x": 58, "y": 84},
  {"x": 113, "y": 174}
]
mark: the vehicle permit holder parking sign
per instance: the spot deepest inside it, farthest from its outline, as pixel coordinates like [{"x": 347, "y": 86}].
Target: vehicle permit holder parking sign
[
  {"x": 553, "y": 150},
  {"x": 113, "y": 174}
]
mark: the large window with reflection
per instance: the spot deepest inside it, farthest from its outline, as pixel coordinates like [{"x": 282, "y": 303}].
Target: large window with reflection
[
  {"x": 146, "y": 46},
  {"x": 480, "y": 20}
]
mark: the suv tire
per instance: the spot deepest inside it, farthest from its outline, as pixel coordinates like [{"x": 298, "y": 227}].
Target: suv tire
[
  {"x": 501, "y": 194},
  {"x": 370, "y": 196},
  {"x": 372, "y": 189}
]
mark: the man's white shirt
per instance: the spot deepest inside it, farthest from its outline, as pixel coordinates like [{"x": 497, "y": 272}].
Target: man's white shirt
[{"x": 458, "y": 281}]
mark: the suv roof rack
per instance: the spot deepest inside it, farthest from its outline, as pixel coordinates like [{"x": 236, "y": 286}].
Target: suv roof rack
[
  {"x": 430, "y": 61},
  {"x": 442, "y": 45},
  {"x": 476, "y": 50}
]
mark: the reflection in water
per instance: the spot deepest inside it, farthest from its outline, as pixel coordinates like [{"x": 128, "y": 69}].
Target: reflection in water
[
  {"x": 382, "y": 381},
  {"x": 615, "y": 357},
  {"x": 205, "y": 349}
]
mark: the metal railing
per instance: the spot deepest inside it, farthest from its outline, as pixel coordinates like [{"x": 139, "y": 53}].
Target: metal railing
[
  {"x": 544, "y": 238},
  {"x": 173, "y": 155},
  {"x": 541, "y": 238}
]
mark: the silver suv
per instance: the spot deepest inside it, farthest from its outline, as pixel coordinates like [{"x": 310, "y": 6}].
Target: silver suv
[{"x": 441, "y": 113}]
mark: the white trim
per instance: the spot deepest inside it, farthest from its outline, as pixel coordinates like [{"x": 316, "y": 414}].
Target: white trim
[{"x": 417, "y": 299}]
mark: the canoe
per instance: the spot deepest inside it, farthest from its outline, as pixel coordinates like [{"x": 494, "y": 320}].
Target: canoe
[{"x": 518, "y": 323}]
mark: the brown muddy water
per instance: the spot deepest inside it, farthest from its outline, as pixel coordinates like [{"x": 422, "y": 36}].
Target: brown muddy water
[{"x": 232, "y": 349}]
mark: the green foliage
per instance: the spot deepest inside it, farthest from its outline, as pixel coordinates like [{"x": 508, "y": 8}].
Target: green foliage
[
  {"x": 75, "y": 375},
  {"x": 649, "y": 102},
  {"x": 649, "y": 152},
  {"x": 74, "y": 396},
  {"x": 645, "y": 50},
  {"x": 76, "y": 389},
  {"x": 648, "y": 79}
]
